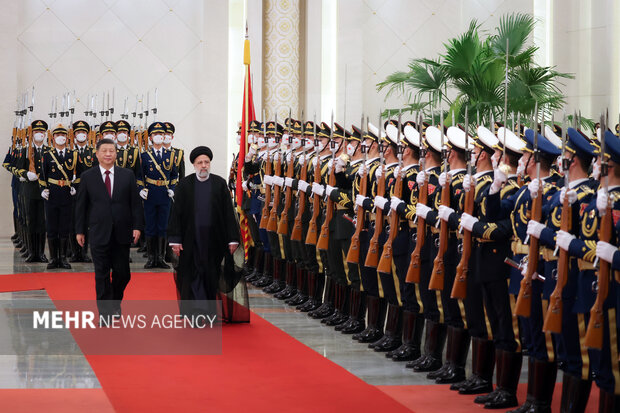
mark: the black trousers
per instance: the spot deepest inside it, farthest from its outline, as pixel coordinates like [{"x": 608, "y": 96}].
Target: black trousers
[
  {"x": 58, "y": 219},
  {"x": 112, "y": 273}
]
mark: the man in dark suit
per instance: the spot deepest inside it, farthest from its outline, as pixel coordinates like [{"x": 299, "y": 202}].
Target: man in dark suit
[{"x": 108, "y": 207}]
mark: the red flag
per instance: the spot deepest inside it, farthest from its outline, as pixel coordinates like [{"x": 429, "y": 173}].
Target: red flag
[{"x": 247, "y": 116}]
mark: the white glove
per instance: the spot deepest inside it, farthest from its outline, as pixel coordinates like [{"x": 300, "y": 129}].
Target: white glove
[
  {"x": 303, "y": 185},
  {"x": 563, "y": 239},
  {"x": 252, "y": 151},
  {"x": 499, "y": 178},
  {"x": 396, "y": 170},
  {"x": 379, "y": 171},
  {"x": 572, "y": 196},
  {"x": 422, "y": 210},
  {"x": 468, "y": 181},
  {"x": 276, "y": 156},
  {"x": 329, "y": 164},
  {"x": 314, "y": 161},
  {"x": 359, "y": 199},
  {"x": 45, "y": 194},
  {"x": 340, "y": 165},
  {"x": 445, "y": 212},
  {"x": 533, "y": 187},
  {"x": 605, "y": 251},
  {"x": 395, "y": 202},
  {"x": 32, "y": 176},
  {"x": 520, "y": 168},
  {"x": 278, "y": 180},
  {"x": 602, "y": 198},
  {"x": 420, "y": 178},
  {"x": 534, "y": 228},
  {"x": 468, "y": 221},
  {"x": 268, "y": 179},
  {"x": 317, "y": 189},
  {"x": 72, "y": 191},
  {"x": 442, "y": 179},
  {"x": 380, "y": 202},
  {"x": 22, "y": 179},
  {"x": 144, "y": 194},
  {"x": 171, "y": 193},
  {"x": 329, "y": 189},
  {"x": 302, "y": 158},
  {"x": 244, "y": 185},
  {"x": 288, "y": 181},
  {"x": 289, "y": 156},
  {"x": 362, "y": 169}
]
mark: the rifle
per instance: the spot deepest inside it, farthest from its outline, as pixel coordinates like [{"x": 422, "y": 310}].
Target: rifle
[
  {"x": 132, "y": 132},
  {"x": 413, "y": 272},
  {"x": 523, "y": 306},
  {"x": 385, "y": 263},
  {"x": 145, "y": 132},
  {"x": 437, "y": 277},
  {"x": 372, "y": 257},
  {"x": 264, "y": 219},
  {"x": 459, "y": 287},
  {"x": 353, "y": 255},
  {"x": 553, "y": 319},
  {"x": 323, "y": 241},
  {"x": 311, "y": 236},
  {"x": 594, "y": 333},
  {"x": 283, "y": 224},
  {"x": 297, "y": 226},
  {"x": 272, "y": 224}
]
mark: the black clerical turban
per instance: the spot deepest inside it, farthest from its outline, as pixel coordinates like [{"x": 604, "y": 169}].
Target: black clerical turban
[{"x": 200, "y": 150}]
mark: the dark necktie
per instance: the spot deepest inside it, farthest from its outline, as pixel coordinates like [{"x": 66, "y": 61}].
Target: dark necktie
[
  {"x": 108, "y": 183},
  {"x": 159, "y": 156}
]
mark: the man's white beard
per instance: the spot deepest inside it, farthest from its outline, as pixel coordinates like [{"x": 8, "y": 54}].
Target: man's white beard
[{"x": 203, "y": 175}]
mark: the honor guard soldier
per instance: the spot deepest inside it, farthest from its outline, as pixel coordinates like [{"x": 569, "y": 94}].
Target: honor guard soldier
[
  {"x": 9, "y": 163},
  {"x": 541, "y": 366},
  {"x": 127, "y": 156},
  {"x": 179, "y": 160},
  {"x": 57, "y": 174},
  {"x": 29, "y": 168},
  {"x": 86, "y": 159},
  {"x": 156, "y": 183}
]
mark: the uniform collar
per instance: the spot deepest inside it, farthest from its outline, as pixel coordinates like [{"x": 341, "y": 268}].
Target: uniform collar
[{"x": 577, "y": 182}]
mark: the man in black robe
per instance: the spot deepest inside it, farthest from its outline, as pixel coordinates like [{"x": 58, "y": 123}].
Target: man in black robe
[{"x": 202, "y": 229}]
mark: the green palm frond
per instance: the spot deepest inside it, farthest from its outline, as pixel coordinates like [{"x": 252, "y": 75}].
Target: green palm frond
[{"x": 516, "y": 28}]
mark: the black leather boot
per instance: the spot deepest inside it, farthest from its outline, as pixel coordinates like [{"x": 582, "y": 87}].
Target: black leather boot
[
  {"x": 142, "y": 245},
  {"x": 413, "y": 325},
  {"x": 302, "y": 288},
  {"x": 26, "y": 248},
  {"x": 257, "y": 272},
  {"x": 508, "y": 373},
  {"x": 376, "y": 317},
  {"x": 327, "y": 308},
  {"x": 393, "y": 329},
  {"x": 460, "y": 349},
  {"x": 161, "y": 252},
  {"x": 266, "y": 278},
  {"x": 54, "y": 251},
  {"x": 316, "y": 282},
  {"x": 434, "y": 343},
  {"x": 575, "y": 394},
  {"x": 30, "y": 248},
  {"x": 151, "y": 251},
  {"x": 608, "y": 402},
  {"x": 483, "y": 361},
  {"x": 357, "y": 310},
  {"x": 291, "y": 282},
  {"x": 341, "y": 315},
  {"x": 276, "y": 284},
  {"x": 545, "y": 373},
  {"x": 41, "y": 247},
  {"x": 62, "y": 254}
]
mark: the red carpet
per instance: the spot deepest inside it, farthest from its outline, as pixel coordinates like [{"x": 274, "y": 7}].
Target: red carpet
[{"x": 262, "y": 369}]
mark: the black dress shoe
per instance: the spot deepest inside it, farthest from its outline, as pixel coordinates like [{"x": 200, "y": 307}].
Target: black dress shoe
[
  {"x": 369, "y": 335},
  {"x": 434, "y": 375},
  {"x": 310, "y": 305},
  {"x": 405, "y": 352},
  {"x": 504, "y": 399},
  {"x": 454, "y": 374},
  {"x": 390, "y": 343},
  {"x": 356, "y": 326},
  {"x": 338, "y": 319},
  {"x": 297, "y": 299},
  {"x": 429, "y": 364},
  {"x": 325, "y": 310},
  {"x": 419, "y": 360},
  {"x": 474, "y": 385}
]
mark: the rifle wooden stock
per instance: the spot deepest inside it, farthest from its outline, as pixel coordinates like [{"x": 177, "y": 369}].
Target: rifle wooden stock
[
  {"x": 312, "y": 234},
  {"x": 31, "y": 165},
  {"x": 353, "y": 255},
  {"x": 372, "y": 258},
  {"x": 288, "y": 197},
  {"x": 438, "y": 275},
  {"x": 385, "y": 263},
  {"x": 272, "y": 224},
  {"x": 413, "y": 272},
  {"x": 13, "y": 137},
  {"x": 459, "y": 288},
  {"x": 323, "y": 241},
  {"x": 523, "y": 306},
  {"x": 132, "y": 138},
  {"x": 596, "y": 325},
  {"x": 298, "y": 226},
  {"x": 71, "y": 139},
  {"x": 553, "y": 319},
  {"x": 264, "y": 218}
]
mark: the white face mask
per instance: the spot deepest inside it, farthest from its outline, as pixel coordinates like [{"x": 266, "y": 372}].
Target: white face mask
[
  {"x": 80, "y": 137},
  {"x": 521, "y": 166},
  {"x": 296, "y": 143},
  {"x": 38, "y": 137},
  {"x": 350, "y": 149},
  {"x": 321, "y": 146},
  {"x": 309, "y": 144},
  {"x": 261, "y": 142},
  {"x": 167, "y": 139},
  {"x": 158, "y": 139},
  {"x": 109, "y": 136},
  {"x": 285, "y": 138},
  {"x": 271, "y": 143},
  {"x": 238, "y": 139},
  {"x": 472, "y": 158},
  {"x": 60, "y": 140},
  {"x": 121, "y": 137}
]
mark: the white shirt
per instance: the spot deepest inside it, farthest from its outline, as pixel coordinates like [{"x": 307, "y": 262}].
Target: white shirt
[
  {"x": 103, "y": 171},
  {"x": 60, "y": 152}
]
